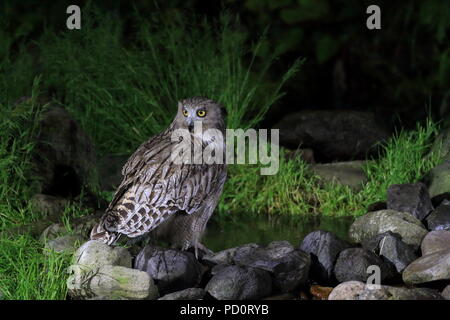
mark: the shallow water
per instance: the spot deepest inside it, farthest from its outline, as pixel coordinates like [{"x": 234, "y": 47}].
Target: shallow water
[{"x": 262, "y": 229}]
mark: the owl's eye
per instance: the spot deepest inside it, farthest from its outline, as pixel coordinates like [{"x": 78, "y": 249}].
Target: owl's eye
[
  {"x": 201, "y": 113},
  {"x": 185, "y": 113}
]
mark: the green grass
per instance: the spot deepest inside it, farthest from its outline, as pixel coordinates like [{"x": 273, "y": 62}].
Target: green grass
[{"x": 122, "y": 91}]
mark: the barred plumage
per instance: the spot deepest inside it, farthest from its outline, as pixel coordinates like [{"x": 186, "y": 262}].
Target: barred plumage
[{"x": 174, "y": 201}]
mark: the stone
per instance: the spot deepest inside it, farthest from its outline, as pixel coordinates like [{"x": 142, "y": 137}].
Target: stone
[
  {"x": 49, "y": 206},
  {"x": 439, "y": 219},
  {"x": 432, "y": 267},
  {"x": 373, "y": 223},
  {"x": 349, "y": 290},
  {"x": 410, "y": 197},
  {"x": 110, "y": 282},
  {"x": 172, "y": 270},
  {"x": 353, "y": 263},
  {"x": 446, "y": 292},
  {"x": 95, "y": 254},
  {"x": 186, "y": 294},
  {"x": 82, "y": 226},
  {"x": 333, "y": 135},
  {"x": 377, "y": 292},
  {"x": 435, "y": 241},
  {"x": 288, "y": 266},
  {"x": 324, "y": 247},
  {"x": 438, "y": 178},
  {"x": 226, "y": 256},
  {"x": 320, "y": 293},
  {"x": 437, "y": 200},
  {"x": 240, "y": 283},
  {"x": 350, "y": 173},
  {"x": 390, "y": 246},
  {"x": 67, "y": 243}
]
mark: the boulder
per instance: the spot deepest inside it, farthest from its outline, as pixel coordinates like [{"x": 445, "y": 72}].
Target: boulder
[
  {"x": 350, "y": 173},
  {"x": 349, "y": 290},
  {"x": 186, "y": 294},
  {"x": 439, "y": 219},
  {"x": 410, "y": 197},
  {"x": 227, "y": 256},
  {"x": 390, "y": 246},
  {"x": 438, "y": 178},
  {"x": 435, "y": 241},
  {"x": 172, "y": 270},
  {"x": 377, "y": 292},
  {"x": 374, "y": 223},
  {"x": 67, "y": 243},
  {"x": 446, "y": 292},
  {"x": 333, "y": 135},
  {"x": 288, "y": 266},
  {"x": 324, "y": 247},
  {"x": 110, "y": 282},
  {"x": 354, "y": 263},
  {"x": 240, "y": 283},
  {"x": 432, "y": 267},
  {"x": 95, "y": 254}
]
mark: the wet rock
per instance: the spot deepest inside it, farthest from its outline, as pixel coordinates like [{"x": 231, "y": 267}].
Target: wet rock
[
  {"x": 227, "y": 256},
  {"x": 186, "y": 294},
  {"x": 240, "y": 283},
  {"x": 353, "y": 263},
  {"x": 432, "y": 267},
  {"x": 320, "y": 293},
  {"x": 95, "y": 254},
  {"x": 390, "y": 246},
  {"x": 50, "y": 206},
  {"x": 435, "y": 241},
  {"x": 446, "y": 292},
  {"x": 63, "y": 157},
  {"x": 288, "y": 266},
  {"x": 324, "y": 248},
  {"x": 373, "y": 223},
  {"x": 110, "y": 282},
  {"x": 349, "y": 173},
  {"x": 333, "y": 135},
  {"x": 438, "y": 178},
  {"x": 410, "y": 197},
  {"x": 377, "y": 292},
  {"x": 67, "y": 243},
  {"x": 439, "y": 219},
  {"x": 349, "y": 290},
  {"x": 172, "y": 270}
]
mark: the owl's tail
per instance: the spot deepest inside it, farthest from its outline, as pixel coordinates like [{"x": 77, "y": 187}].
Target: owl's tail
[{"x": 99, "y": 233}]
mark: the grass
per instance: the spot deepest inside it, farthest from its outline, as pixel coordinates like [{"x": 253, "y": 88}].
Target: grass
[{"x": 122, "y": 92}]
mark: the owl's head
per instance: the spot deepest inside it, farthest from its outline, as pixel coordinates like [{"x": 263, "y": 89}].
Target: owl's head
[{"x": 210, "y": 113}]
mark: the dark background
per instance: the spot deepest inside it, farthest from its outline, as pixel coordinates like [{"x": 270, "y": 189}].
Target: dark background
[{"x": 401, "y": 72}]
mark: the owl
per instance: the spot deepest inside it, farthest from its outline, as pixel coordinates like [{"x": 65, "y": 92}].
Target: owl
[{"x": 166, "y": 199}]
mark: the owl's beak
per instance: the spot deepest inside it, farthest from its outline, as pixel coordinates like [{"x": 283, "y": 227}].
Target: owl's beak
[{"x": 190, "y": 125}]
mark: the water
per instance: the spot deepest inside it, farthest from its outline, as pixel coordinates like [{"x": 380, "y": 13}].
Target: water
[{"x": 262, "y": 229}]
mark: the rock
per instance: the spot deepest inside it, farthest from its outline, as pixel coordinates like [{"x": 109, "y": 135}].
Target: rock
[
  {"x": 289, "y": 266},
  {"x": 110, "y": 171},
  {"x": 373, "y": 223},
  {"x": 67, "y": 243},
  {"x": 377, "y": 292},
  {"x": 95, "y": 254},
  {"x": 441, "y": 145},
  {"x": 324, "y": 248},
  {"x": 349, "y": 173},
  {"x": 307, "y": 155},
  {"x": 435, "y": 241},
  {"x": 320, "y": 293},
  {"x": 390, "y": 246},
  {"x": 82, "y": 226},
  {"x": 110, "y": 282},
  {"x": 438, "y": 178},
  {"x": 48, "y": 205},
  {"x": 333, "y": 135},
  {"x": 446, "y": 292},
  {"x": 437, "y": 200},
  {"x": 410, "y": 197},
  {"x": 63, "y": 156},
  {"x": 353, "y": 263},
  {"x": 283, "y": 296},
  {"x": 439, "y": 219},
  {"x": 240, "y": 283},
  {"x": 349, "y": 290},
  {"x": 226, "y": 256},
  {"x": 172, "y": 270},
  {"x": 186, "y": 294},
  {"x": 432, "y": 267}
]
